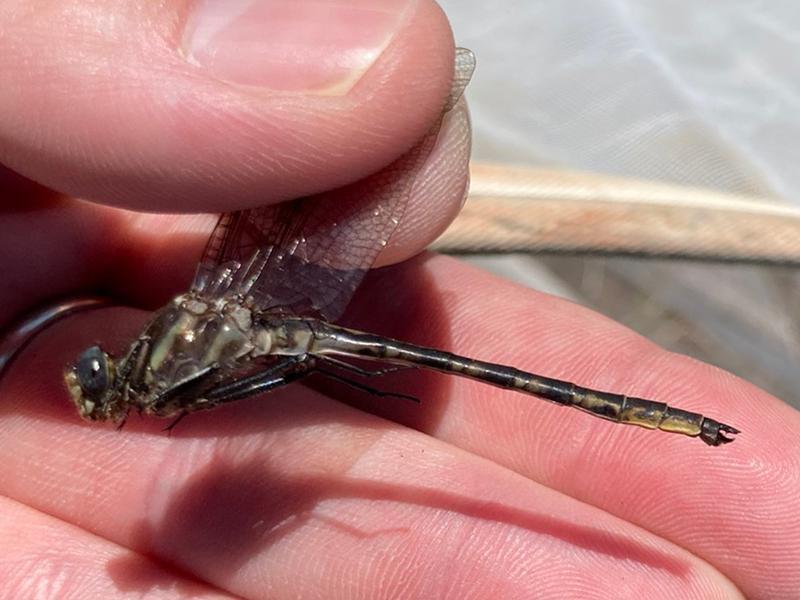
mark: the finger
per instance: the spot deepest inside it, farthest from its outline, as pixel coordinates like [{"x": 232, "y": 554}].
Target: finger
[
  {"x": 736, "y": 506},
  {"x": 41, "y": 556},
  {"x": 293, "y": 495},
  {"x": 146, "y": 258},
  {"x": 63, "y": 247},
  {"x": 182, "y": 106},
  {"x": 17, "y": 192}
]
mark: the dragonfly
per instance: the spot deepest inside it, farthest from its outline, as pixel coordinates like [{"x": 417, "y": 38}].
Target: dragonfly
[{"x": 261, "y": 312}]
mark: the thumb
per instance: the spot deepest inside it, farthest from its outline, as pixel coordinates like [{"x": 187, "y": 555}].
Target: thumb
[{"x": 180, "y": 106}]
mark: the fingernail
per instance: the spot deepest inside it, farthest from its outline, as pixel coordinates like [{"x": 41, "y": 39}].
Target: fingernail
[{"x": 321, "y": 47}]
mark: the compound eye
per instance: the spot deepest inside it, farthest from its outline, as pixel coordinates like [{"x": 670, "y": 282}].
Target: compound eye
[{"x": 93, "y": 372}]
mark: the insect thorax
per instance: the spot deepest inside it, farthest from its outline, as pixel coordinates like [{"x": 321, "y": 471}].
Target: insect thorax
[{"x": 189, "y": 335}]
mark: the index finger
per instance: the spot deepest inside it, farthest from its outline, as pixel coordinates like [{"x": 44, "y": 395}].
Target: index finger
[{"x": 193, "y": 107}]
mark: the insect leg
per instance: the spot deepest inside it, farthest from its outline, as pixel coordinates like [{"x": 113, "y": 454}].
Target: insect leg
[
  {"x": 174, "y": 422},
  {"x": 363, "y": 387},
  {"x": 282, "y": 373},
  {"x": 363, "y": 372}
]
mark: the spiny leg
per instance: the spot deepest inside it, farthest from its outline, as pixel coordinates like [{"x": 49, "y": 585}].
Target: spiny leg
[
  {"x": 228, "y": 388},
  {"x": 174, "y": 422},
  {"x": 283, "y": 373},
  {"x": 363, "y": 387},
  {"x": 342, "y": 364},
  {"x": 124, "y": 420}
]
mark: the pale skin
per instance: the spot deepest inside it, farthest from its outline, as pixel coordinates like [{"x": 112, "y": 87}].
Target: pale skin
[{"x": 475, "y": 492}]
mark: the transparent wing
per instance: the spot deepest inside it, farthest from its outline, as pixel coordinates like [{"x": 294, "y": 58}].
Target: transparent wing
[{"x": 308, "y": 256}]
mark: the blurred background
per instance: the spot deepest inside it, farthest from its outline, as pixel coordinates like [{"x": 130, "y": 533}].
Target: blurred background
[{"x": 690, "y": 113}]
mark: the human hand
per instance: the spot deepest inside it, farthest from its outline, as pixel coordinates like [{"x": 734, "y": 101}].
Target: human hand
[{"x": 476, "y": 492}]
